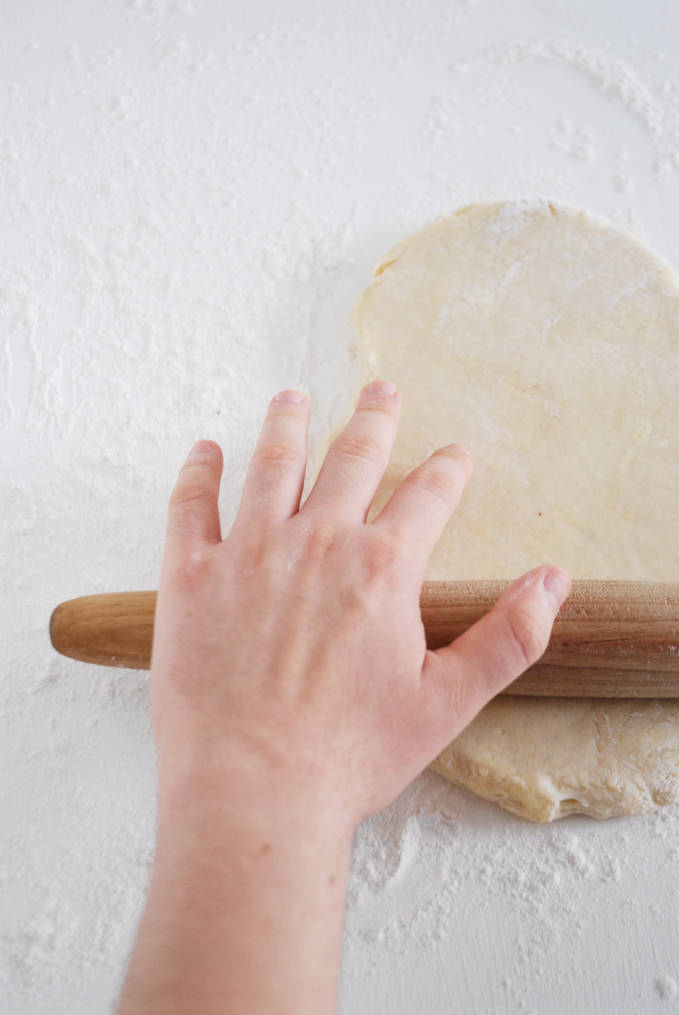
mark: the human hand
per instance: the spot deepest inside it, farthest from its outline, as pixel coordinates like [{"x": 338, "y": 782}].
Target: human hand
[
  {"x": 290, "y": 656},
  {"x": 293, "y": 694}
]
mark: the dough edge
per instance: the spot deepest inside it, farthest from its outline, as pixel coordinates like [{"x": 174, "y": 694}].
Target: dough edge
[{"x": 535, "y": 800}]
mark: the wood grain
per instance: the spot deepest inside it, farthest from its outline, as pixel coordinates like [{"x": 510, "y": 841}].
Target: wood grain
[{"x": 611, "y": 638}]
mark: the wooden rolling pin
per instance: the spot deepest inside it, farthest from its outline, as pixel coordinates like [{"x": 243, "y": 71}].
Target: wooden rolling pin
[{"x": 611, "y": 639}]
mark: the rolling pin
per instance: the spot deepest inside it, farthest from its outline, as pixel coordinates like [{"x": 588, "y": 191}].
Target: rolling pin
[{"x": 615, "y": 639}]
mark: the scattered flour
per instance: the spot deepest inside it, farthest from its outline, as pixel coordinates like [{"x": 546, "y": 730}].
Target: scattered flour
[
  {"x": 653, "y": 103},
  {"x": 666, "y": 986},
  {"x": 194, "y": 195}
]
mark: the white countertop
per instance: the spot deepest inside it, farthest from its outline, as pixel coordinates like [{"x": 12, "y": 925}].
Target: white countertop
[{"x": 193, "y": 194}]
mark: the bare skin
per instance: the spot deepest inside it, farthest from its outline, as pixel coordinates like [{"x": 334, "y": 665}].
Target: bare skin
[{"x": 293, "y": 695}]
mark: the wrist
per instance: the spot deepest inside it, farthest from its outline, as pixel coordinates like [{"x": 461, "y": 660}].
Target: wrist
[{"x": 249, "y": 797}]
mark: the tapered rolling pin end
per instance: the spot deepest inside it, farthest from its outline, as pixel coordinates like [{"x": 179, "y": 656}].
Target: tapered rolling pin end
[{"x": 108, "y": 629}]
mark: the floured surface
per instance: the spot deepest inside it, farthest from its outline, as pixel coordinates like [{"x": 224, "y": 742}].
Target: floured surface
[
  {"x": 195, "y": 196},
  {"x": 548, "y": 342}
]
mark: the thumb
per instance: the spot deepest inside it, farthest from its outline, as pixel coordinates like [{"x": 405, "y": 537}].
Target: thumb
[{"x": 462, "y": 677}]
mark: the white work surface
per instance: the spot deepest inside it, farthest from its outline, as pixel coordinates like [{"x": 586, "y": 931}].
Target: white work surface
[{"x": 193, "y": 195}]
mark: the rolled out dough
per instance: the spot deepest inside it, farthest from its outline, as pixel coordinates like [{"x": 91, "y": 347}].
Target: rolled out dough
[{"x": 547, "y": 340}]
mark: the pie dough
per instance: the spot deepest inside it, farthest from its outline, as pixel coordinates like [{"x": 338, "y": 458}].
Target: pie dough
[{"x": 547, "y": 341}]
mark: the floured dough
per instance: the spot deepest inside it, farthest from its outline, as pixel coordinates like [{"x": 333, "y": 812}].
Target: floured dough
[
  {"x": 544, "y": 758},
  {"x": 548, "y": 341}
]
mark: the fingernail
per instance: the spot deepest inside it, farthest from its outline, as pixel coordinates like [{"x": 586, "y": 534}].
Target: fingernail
[
  {"x": 202, "y": 449},
  {"x": 459, "y": 449},
  {"x": 385, "y": 388},
  {"x": 557, "y": 585},
  {"x": 298, "y": 397}
]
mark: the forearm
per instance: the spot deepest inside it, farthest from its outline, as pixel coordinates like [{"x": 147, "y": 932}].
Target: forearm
[{"x": 245, "y": 908}]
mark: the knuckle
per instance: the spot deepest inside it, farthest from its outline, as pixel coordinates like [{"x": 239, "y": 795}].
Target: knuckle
[
  {"x": 322, "y": 537},
  {"x": 527, "y": 634},
  {"x": 382, "y": 554},
  {"x": 191, "y": 569},
  {"x": 398, "y": 536},
  {"x": 436, "y": 481},
  {"x": 357, "y": 446},
  {"x": 275, "y": 456},
  {"x": 272, "y": 463},
  {"x": 190, "y": 495}
]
